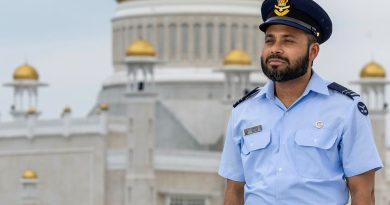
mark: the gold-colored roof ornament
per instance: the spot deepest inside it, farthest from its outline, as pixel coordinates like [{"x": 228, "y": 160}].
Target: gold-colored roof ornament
[
  {"x": 104, "y": 106},
  {"x": 373, "y": 70},
  {"x": 25, "y": 72},
  {"x": 29, "y": 174},
  {"x": 237, "y": 57},
  {"x": 140, "y": 48},
  {"x": 32, "y": 110},
  {"x": 67, "y": 109}
]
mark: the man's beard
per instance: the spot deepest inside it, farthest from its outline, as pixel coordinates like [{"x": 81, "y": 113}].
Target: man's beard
[{"x": 292, "y": 71}]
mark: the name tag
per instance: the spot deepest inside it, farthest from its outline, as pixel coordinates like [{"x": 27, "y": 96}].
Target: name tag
[{"x": 252, "y": 130}]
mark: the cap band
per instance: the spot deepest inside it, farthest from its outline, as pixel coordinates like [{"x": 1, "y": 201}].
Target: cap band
[{"x": 301, "y": 23}]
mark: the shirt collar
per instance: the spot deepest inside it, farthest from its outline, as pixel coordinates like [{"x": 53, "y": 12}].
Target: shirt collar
[{"x": 316, "y": 84}]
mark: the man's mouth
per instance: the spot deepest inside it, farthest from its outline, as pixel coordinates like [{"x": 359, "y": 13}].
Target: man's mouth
[{"x": 276, "y": 62}]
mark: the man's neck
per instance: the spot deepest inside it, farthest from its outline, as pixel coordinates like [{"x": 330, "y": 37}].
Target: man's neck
[{"x": 289, "y": 91}]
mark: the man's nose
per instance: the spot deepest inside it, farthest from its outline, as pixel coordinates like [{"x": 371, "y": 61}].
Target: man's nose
[{"x": 276, "y": 48}]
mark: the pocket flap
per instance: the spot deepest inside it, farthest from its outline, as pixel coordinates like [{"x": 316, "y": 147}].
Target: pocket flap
[
  {"x": 255, "y": 141},
  {"x": 320, "y": 138}
]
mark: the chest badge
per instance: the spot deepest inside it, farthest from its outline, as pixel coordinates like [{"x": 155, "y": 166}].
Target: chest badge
[
  {"x": 252, "y": 130},
  {"x": 319, "y": 124}
]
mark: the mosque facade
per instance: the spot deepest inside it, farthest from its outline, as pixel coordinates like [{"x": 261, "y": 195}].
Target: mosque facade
[{"x": 155, "y": 134}]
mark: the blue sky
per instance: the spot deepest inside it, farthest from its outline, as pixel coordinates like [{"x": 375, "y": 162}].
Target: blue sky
[{"x": 69, "y": 42}]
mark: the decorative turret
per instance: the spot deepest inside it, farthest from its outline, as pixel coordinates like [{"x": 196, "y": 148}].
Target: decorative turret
[
  {"x": 140, "y": 61},
  {"x": 29, "y": 181},
  {"x": 25, "y": 84},
  {"x": 237, "y": 69}
]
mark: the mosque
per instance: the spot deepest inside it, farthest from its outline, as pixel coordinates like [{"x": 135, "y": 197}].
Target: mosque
[{"x": 155, "y": 134}]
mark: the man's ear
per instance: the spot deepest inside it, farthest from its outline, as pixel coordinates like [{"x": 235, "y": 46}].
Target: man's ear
[{"x": 313, "y": 51}]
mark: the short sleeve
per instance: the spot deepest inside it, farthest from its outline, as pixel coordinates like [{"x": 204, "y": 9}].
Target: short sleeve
[
  {"x": 358, "y": 151},
  {"x": 231, "y": 164}
]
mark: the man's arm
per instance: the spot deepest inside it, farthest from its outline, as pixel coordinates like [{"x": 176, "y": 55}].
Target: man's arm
[
  {"x": 234, "y": 193},
  {"x": 362, "y": 188}
]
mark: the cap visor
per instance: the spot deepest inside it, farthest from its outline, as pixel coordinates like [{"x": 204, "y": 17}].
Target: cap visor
[{"x": 263, "y": 27}]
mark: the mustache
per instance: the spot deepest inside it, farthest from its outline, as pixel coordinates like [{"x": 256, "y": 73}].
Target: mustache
[{"x": 276, "y": 56}]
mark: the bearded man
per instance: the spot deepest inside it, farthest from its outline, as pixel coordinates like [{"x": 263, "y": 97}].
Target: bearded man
[{"x": 299, "y": 139}]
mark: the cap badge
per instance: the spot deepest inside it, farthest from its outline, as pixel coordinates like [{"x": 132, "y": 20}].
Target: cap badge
[{"x": 282, "y": 7}]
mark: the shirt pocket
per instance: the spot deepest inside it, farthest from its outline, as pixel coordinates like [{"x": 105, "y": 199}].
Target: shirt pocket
[
  {"x": 320, "y": 138},
  {"x": 315, "y": 153},
  {"x": 256, "y": 141}
]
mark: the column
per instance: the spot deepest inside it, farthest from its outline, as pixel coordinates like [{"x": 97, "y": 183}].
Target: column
[
  {"x": 191, "y": 41},
  {"x": 203, "y": 41},
  {"x": 239, "y": 38},
  {"x": 216, "y": 59},
  {"x": 166, "y": 39},
  {"x": 152, "y": 79},
  {"x": 228, "y": 36}
]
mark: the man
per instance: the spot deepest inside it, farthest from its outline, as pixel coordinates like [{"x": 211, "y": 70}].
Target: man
[{"x": 299, "y": 139}]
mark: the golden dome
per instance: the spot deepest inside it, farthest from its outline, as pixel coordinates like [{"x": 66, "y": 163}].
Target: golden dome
[
  {"x": 103, "y": 106},
  {"x": 141, "y": 48},
  {"x": 26, "y": 72},
  {"x": 29, "y": 174},
  {"x": 237, "y": 57},
  {"x": 32, "y": 110},
  {"x": 373, "y": 70},
  {"x": 67, "y": 109}
]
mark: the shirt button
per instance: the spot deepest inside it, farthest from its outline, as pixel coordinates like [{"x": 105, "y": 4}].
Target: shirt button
[
  {"x": 280, "y": 169},
  {"x": 315, "y": 140},
  {"x": 252, "y": 145}
]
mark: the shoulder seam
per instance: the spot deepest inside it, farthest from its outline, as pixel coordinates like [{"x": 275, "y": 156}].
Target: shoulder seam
[
  {"x": 247, "y": 96},
  {"x": 343, "y": 90}
]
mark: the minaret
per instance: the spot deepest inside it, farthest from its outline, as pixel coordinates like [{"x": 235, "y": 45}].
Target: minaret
[
  {"x": 372, "y": 83},
  {"x": 25, "y": 84},
  {"x": 141, "y": 106},
  {"x": 237, "y": 69}
]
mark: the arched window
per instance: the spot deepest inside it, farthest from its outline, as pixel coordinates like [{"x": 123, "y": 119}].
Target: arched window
[
  {"x": 222, "y": 39},
  {"x": 197, "y": 41},
  {"x": 160, "y": 40},
  {"x": 210, "y": 40},
  {"x": 172, "y": 40},
  {"x": 184, "y": 40},
  {"x": 234, "y": 36},
  {"x": 245, "y": 35}
]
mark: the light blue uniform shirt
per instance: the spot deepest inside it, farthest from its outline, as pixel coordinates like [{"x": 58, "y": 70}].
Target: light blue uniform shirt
[{"x": 303, "y": 153}]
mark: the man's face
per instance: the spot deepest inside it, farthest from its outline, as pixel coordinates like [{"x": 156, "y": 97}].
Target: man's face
[{"x": 285, "y": 55}]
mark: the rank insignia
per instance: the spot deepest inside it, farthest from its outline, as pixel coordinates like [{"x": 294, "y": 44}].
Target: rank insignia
[
  {"x": 253, "y": 130},
  {"x": 362, "y": 108},
  {"x": 282, "y": 7}
]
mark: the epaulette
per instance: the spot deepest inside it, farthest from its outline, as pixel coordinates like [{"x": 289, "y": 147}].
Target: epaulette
[
  {"x": 247, "y": 96},
  {"x": 343, "y": 90}
]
